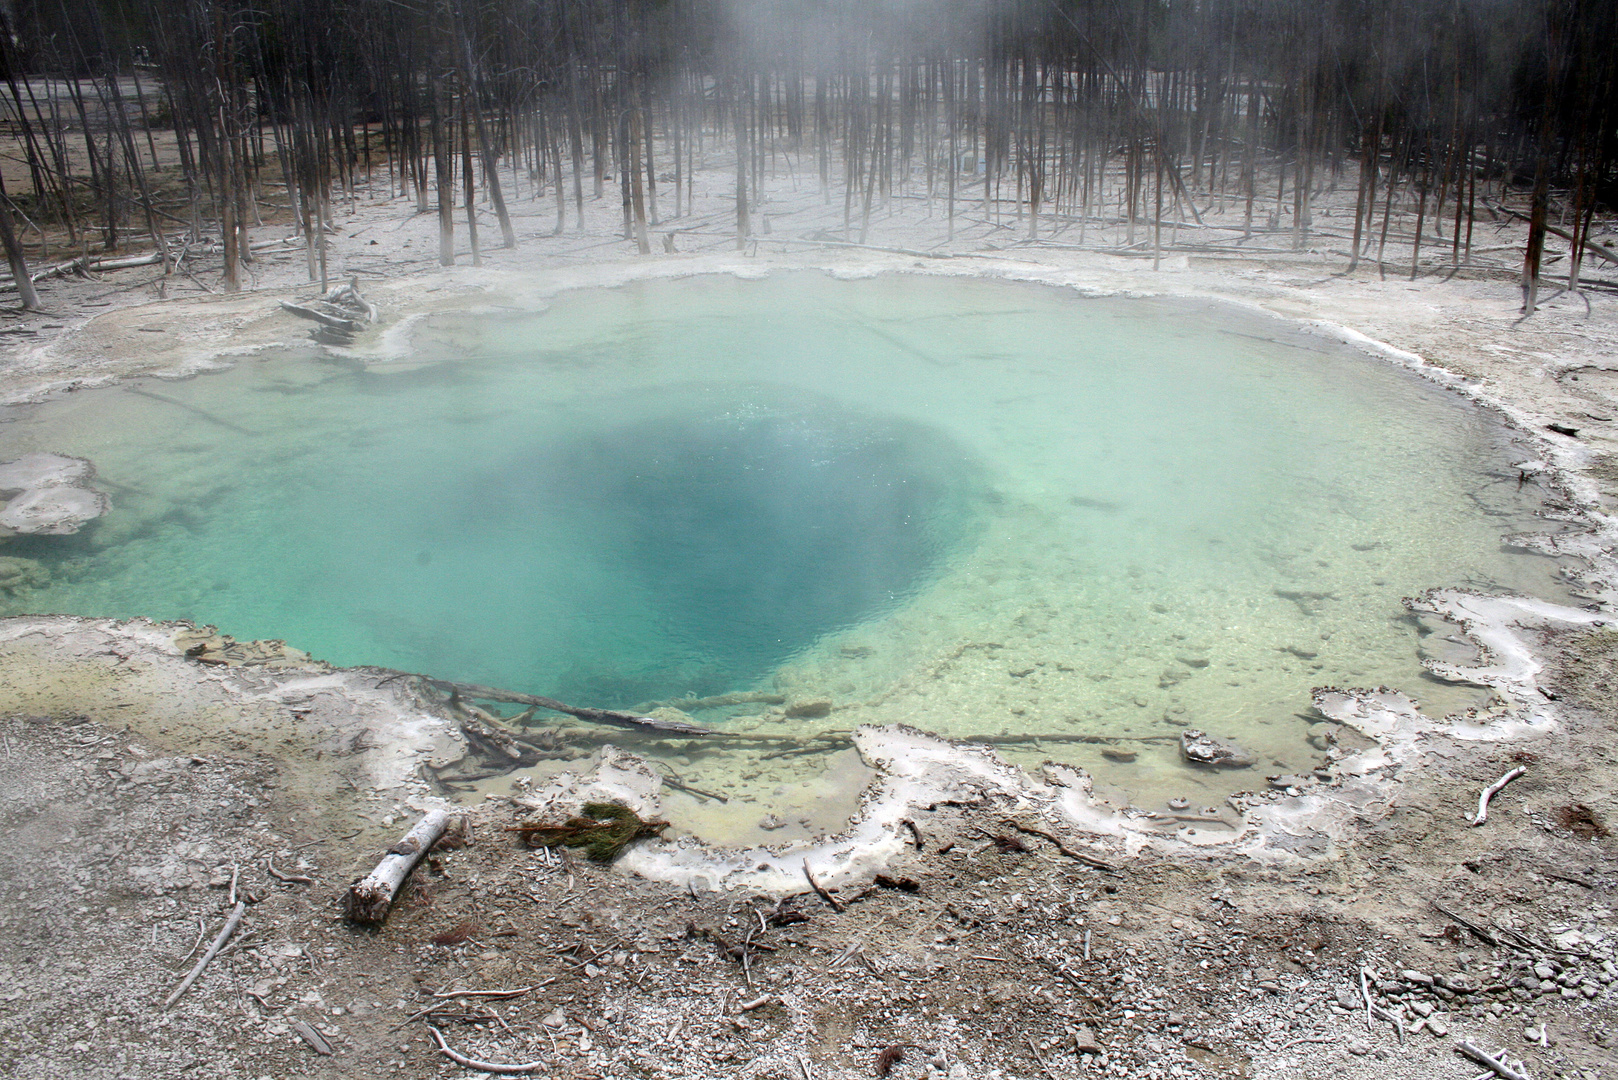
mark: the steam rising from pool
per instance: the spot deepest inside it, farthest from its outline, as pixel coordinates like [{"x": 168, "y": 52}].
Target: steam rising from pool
[{"x": 975, "y": 507}]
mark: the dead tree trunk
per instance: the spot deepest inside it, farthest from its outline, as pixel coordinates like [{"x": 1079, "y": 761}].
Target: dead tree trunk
[
  {"x": 14, "y": 256},
  {"x": 370, "y": 897}
]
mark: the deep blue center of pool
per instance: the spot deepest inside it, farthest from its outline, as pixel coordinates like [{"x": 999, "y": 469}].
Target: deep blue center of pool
[{"x": 743, "y": 524}]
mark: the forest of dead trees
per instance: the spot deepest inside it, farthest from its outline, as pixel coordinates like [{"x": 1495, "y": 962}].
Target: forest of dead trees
[{"x": 1043, "y": 112}]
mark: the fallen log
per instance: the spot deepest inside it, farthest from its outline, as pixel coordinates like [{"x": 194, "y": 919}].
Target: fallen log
[
  {"x": 369, "y": 898},
  {"x": 127, "y": 262},
  {"x": 8, "y": 283}
]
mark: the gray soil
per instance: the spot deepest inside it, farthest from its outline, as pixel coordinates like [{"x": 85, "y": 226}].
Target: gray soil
[{"x": 1013, "y": 963}]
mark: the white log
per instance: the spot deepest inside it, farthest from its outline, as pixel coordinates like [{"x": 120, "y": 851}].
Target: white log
[
  {"x": 369, "y": 898},
  {"x": 127, "y": 262},
  {"x": 1491, "y": 791}
]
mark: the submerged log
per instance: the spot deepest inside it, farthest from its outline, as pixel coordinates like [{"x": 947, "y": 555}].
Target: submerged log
[
  {"x": 369, "y": 898},
  {"x": 600, "y": 716},
  {"x": 718, "y": 701}
]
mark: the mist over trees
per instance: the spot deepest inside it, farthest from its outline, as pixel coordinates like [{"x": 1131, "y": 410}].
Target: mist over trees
[{"x": 1028, "y": 112}]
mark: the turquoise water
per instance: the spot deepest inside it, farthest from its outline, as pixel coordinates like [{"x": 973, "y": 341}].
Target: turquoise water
[{"x": 968, "y": 505}]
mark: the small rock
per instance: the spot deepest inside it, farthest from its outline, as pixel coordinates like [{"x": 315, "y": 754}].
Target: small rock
[
  {"x": 1416, "y": 977},
  {"x": 1544, "y": 971},
  {"x": 1421, "y": 1008},
  {"x": 1179, "y": 803},
  {"x": 1200, "y": 748},
  {"x": 1113, "y": 753},
  {"x": 1084, "y": 1041},
  {"x": 808, "y": 708},
  {"x": 1322, "y": 736},
  {"x": 1438, "y": 1027},
  {"x": 1359, "y": 1048},
  {"x": 769, "y": 823},
  {"x": 17, "y": 575},
  {"x": 556, "y": 1018}
]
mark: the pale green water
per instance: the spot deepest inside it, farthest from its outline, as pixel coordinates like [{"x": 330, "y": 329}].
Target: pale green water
[{"x": 970, "y": 506}]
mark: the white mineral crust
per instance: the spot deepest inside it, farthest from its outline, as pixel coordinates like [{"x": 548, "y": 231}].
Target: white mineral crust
[{"x": 48, "y": 493}]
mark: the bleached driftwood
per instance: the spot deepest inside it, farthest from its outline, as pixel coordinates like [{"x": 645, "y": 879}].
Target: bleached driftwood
[
  {"x": 348, "y": 326},
  {"x": 348, "y": 296},
  {"x": 1497, "y": 1066},
  {"x": 213, "y": 950},
  {"x": 1491, "y": 791},
  {"x": 370, "y": 897},
  {"x": 496, "y": 1067}
]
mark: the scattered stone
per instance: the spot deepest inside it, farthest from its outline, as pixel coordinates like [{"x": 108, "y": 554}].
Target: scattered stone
[
  {"x": 1359, "y": 1047},
  {"x": 1416, "y": 977},
  {"x": 1111, "y": 753},
  {"x": 769, "y": 823},
  {"x": 1084, "y": 1040},
  {"x": 17, "y": 575},
  {"x": 1200, "y": 748},
  {"x": 808, "y": 708}
]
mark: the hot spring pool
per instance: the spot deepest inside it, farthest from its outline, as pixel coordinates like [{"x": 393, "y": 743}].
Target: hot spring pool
[{"x": 975, "y": 507}]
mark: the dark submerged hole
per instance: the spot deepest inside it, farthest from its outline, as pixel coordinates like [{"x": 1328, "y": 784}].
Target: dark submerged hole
[{"x": 752, "y": 522}]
